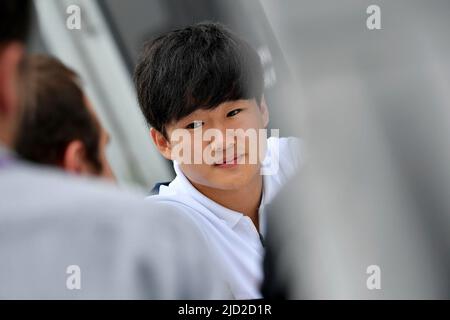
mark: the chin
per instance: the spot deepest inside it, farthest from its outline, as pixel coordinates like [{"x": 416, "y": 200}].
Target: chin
[
  {"x": 225, "y": 179},
  {"x": 233, "y": 181},
  {"x": 229, "y": 186}
]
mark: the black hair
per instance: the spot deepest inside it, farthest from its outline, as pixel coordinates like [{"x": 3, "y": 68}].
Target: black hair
[
  {"x": 14, "y": 20},
  {"x": 197, "y": 67},
  {"x": 55, "y": 113}
]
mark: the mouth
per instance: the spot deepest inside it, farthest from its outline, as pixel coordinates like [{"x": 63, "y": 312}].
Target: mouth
[{"x": 229, "y": 163}]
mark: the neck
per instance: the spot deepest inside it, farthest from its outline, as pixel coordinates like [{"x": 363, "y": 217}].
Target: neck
[{"x": 245, "y": 200}]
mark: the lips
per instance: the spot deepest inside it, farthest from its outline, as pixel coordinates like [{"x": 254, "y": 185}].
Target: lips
[{"x": 229, "y": 163}]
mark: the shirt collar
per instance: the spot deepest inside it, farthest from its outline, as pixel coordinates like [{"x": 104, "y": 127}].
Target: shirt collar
[{"x": 230, "y": 217}]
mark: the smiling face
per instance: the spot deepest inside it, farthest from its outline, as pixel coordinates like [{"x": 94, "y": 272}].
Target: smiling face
[{"x": 231, "y": 156}]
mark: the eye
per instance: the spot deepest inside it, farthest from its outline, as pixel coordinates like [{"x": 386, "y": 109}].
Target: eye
[
  {"x": 233, "y": 113},
  {"x": 194, "y": 125}
]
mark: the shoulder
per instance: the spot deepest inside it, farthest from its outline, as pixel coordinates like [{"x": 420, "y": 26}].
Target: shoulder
[
  {"x": 184, "y": 209},
  {"x": 41, "y": 193},
  {"x": 79, "y": 218}
]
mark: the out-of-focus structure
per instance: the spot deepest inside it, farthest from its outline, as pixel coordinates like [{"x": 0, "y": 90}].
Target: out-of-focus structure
[{"x": 374, "y": 110}]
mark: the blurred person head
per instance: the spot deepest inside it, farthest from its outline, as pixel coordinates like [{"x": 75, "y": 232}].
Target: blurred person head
[
  {"x": 59, "y": 126},
  {"x": 198, "y": 78},
  {"x": 14, "y": 22}
]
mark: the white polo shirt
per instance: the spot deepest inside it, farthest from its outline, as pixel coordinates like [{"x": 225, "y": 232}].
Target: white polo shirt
[{"x": 232, "y": 236}]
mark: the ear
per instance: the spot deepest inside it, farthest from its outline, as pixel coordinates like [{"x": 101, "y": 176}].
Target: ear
[
  {"x": 10, "y": 57},
  {"x": 265, "y": 112},
  {"x": 161, "y": 143},
  {"x": 75, "y": 159}
]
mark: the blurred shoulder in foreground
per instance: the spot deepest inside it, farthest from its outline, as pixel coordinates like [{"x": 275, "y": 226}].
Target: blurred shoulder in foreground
[{"x": 123, "y": 247}]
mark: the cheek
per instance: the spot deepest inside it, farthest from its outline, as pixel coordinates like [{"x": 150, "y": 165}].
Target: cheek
[
  {"x": 107, "y": 172},
  {"x": 106, "y": 168},
  {"x": 220, "y": 179},
  {"x": 103, "y": 151},
  {"x": 197, "y": 173},
  {"x": 189, "y": 151},
  {"x": 253, "y": 144},
  {"x": 10, "y": 102},
  {"x": 104, "y": 161},
  {"x": 254, "y": 123}
]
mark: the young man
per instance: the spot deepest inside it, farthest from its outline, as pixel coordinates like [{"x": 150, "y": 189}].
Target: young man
[
  {"x": 63, "y": 237},
  {"x": 59, "y": 126},
  {"x": 201, "y": 90}
]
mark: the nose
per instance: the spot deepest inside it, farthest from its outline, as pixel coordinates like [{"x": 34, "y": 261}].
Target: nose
[{"x": 223, "y": 140}]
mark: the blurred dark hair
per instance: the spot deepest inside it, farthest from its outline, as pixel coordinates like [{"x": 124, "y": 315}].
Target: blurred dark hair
[
  {"x": 14, "y": 20},
  {"x": 55, "y": 113},
  {"x": 197, "y": 67}
]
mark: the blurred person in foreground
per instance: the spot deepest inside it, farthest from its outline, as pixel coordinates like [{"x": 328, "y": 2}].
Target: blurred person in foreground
[
  {"x": 52, "y": 224},
  {"x": 59, "y": 126},
  {"x": 369, "y": 215}
]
